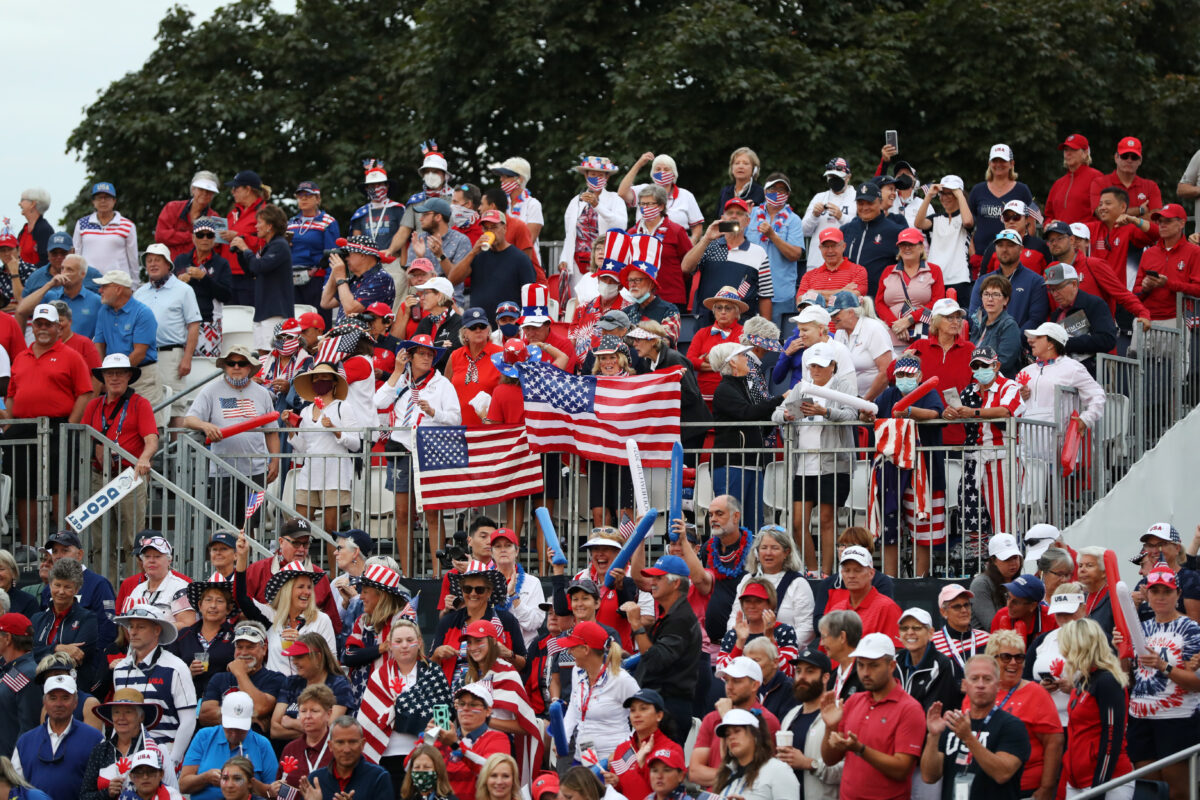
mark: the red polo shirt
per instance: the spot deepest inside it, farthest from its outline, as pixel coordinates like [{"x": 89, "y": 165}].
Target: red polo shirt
[
  {"x": 1112, "y": 244},
  {"x": 824, "y": 279},
  {"x": 879, "y": 613},
  {"x": 1180, "y": 266},
  {"x": 128, "y": 427},
  {"x": 952, "y": 368},
  {"x": 12, "y": 338},
  {"x": 1141, "y": 192},
  {"x": 675, "y": 245},
  {"x": 697, "y": 353},
  {"x": 86, "y": 349},
  {"x": 707, "y": 735},
  {"x": 47, "y": 386},
  {"x": 894, "y": 725},
  {"x": 1070, "y": 198}
]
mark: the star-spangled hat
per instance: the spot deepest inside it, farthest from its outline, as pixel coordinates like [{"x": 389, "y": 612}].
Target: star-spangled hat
[
  {"x": 479, "y": 569},
  {"x": 383, "y": 578},
  {"x": 617, "y": 249},
  {"x": 289, "y": 572},
  {"x": 196, "y": 590},
  {"x": 596, "y": 163},
  {"x": 645, "y": 257},
  {"x": 515, "y": 351},
  {"x": 535, "y": 308}
]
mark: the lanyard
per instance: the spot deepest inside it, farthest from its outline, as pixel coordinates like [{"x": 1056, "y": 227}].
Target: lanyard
[
  {"x": 955, "y": 651},
  {"x": 840, "y": 681},
  {"x": 583, "y": 684},
  {"x": 372, "y": 225},
  {"x": 313, "y": 765},
  {"x": 121, "y": 406},
  {"x": 1001, "y": 704}
]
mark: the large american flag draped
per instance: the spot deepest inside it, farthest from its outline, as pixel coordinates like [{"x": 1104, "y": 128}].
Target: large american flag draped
[
  {"x": 593, "y": 416},
  {"x": 461, "y": 467}
]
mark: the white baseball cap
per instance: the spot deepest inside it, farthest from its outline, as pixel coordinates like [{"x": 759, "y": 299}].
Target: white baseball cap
[
  {"x": 919, "y": 614},
  {"x": 820, "y": 354},
  {"x": 1001, "y": 151},
  {"x": 47, "y": 312},
  {"x": 813, "y": 313},
  {"x": 205, "y": 180},
  {"x": 118, "y": 276},
  {"x": 1050, "y": 330},
  {"x": 1081, "y": 230},
  {"x": 857, "y": 554},
  {"x": 148, "y": 758},
  {"x": 1015, "y": 205},
  {"x": 1003, "y": 546},
  {"x": 952, "y": 182},
  {"x": 1066, "y": 603},
  {"x": 742, "y": 667},
  {"x": 237, "y": 710},
  {"x": 64, "y": 682},
  {"x": 946, "y": 307},
  {"x": 875, "y": 645},
  {"x": 737, "y": 717},
  {"x": 441, "y": 285},
  {"x": 158, "y": 249},
  {"x": 1043, "y": 530}
]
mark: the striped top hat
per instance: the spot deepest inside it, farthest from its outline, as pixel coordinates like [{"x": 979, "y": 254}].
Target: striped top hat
[
  {"x": 617, "y": 249},
  {"x": 384, "y": 579},
  {"x": 645, "y": 258},
  {"x": 535, "y": 308}
]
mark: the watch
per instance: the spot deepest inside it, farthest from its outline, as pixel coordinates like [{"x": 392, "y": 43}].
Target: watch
[
  {"x": 342, "y": 281},
  {"x": 639, "y": 632}
]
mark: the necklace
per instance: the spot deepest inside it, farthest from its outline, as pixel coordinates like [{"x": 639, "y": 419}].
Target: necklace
[
  {"x": 508, "y": 599},
  {"x": 731, "y": 564}
]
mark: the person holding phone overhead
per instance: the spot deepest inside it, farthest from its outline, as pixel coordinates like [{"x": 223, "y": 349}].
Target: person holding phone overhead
[{"x": 831, "y": 208}]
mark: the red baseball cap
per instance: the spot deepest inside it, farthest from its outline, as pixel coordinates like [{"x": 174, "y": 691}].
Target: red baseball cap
[
  {"x": 739, "y": 203},
  {"x": 1162, "y": 575},
  {"x": 1170, "y": 211},
  {"x": 755, "y": 590},
  {"x": 1129, "y": 145},
  {"x": 504, "y": 533},
  {"x": 380, "y": 310},
  {"x": 831, "y": 235},
  {"x": 421, "y": 265},
  {"x": 543, "y": 783},
  {"x": 384, "y": 361},
  {"x": 1076, "y": 141},
  {"x": 312, "y": 320},
  {"x": 297, "y": 649},
  {"x": 16, "y": 624},
  {"x": 909, "y": 235},
  {"x": 492, "y": 216},
  {"x": 480, "y": 629},
  {"x": 671, "y": 756},
  {"x": 588, "y": 633}
]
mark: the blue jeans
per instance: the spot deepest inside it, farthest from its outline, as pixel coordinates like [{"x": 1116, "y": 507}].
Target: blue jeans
[{"x": 744, "y": 484}]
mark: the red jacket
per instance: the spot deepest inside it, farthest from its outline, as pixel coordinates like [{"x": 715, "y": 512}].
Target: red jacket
[
  {"x": 244, "y": 222},
  {"x": 632, "y": 780},
  {"x": 1142, "y": 191},
  {"x": 463, "y": 769},
  {"x": 1098, "y": 280},
  {"x": 1112, "y": 244},
  {"x": 1070, "y": 198},
  {"x": 174, "y": 228},
  {"x": 697, "y": 353},
  {"x": 259, "y": 573},
  {"x": 1180, "y": 266},
  {"x": 675, "y": 245},
  {"x": 1096, "y": 730}
]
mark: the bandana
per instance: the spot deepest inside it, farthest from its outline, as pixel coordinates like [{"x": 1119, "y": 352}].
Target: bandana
[
  {"x": 510, "y": 185},
  {"x": 597, "y": 184},
  {"x": 651, "y": 212},
  {"x": 664, "y": 177},
  {"x": 378, "y": 192},
  {"x": 473, "y": 366}
]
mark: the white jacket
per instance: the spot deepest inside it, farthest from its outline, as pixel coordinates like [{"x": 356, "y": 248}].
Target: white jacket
[
  {"x": 439, "y": 393},
  {"x": 320, "y": 473},
  {"x": 814, "y": 225},
  {"x": 795, "y": 607},
  {"x": 1062, "y": 371},
  {"x": 612, "y": 213},
  {"x": 826, "y": 781}
]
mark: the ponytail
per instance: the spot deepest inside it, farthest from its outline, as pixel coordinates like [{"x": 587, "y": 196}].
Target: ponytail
[{"x": 615, "y": 656}]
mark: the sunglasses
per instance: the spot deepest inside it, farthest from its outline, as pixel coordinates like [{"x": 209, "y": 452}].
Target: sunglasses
[
  {"x": 208, "y": 235},
  {"x": 466, "y": 590},
  {"x": 1130, "y": 157},
  {"x": 1006, "y": 658},
  {"x": 960, "y": 606},
  {"x": 247, "y": 631},
  {"x": 237, "y": 364}
]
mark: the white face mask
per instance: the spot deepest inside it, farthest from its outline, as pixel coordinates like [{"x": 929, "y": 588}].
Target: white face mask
[
  {"x": 433, "y": 179},
  {"x": 608, "y": 290}
]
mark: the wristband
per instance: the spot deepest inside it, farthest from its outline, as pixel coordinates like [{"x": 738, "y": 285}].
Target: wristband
[{"x": 639, "y": 632}]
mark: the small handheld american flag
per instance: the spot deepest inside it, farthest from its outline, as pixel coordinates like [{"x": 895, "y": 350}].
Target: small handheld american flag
[
  {"x": 743, "y": 287},
  {"x": 254, "y": 502}
]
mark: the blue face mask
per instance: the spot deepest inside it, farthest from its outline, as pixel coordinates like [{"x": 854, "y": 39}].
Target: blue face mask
[
  {"x": 906, "y": 385},
  {"x": 510, "y": 330},
  {"x": 984, "y": 376},
  {"x": 641, "y": 298}
]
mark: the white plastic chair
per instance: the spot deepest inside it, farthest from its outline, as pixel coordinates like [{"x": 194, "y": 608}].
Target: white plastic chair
[
  {"x": 5, "y": 502},
  {"x": 301, "y": 308},
  {"x": 702, "y": 494},
  {"x": 776, "y": 486},
  {"x": 1114, "y": 425},
  {"x": 954, "y": 471},
  {"x": 237, "y": 319},
  {"x": 231, "y": 338}
]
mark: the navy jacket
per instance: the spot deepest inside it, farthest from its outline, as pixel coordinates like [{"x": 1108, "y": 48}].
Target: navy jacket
[
  {"x": 78, "y": 627},
  {"x": 873, "y": 245},
  {"x": 274, "y": 293},
  {"x": 1029, "y": 304},
  {"x": 98, "y": 597},
  {"x": 367, "y": 780},
  {"x": 58, "y": 774},
  {"x": 1102, "y": 337},
  {"x": 21, "y": 710}
]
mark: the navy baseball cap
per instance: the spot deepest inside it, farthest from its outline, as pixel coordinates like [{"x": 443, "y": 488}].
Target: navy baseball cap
[
  {"x": 59, "y": 240},
  {"x": 1027, "y": 587},
  {"x": 473, "y": 317},
  {"x": 68, "y": 538},
  {"x": 984, "y": 354},
  {"x": 811, "y": 655},
  {"x": 1058, "y": 226},
  {"x": 883, "y": 180},
  {"x": 227, "y": 538},
  {"x": 867, "y": 191},
  {"x": 103, "y": 187},
  {"x": 308, "y": 186},
  {"x": 362, "y": 540},
  {"x": 558, "y": 602},
  {"x": 246, "y": 177},
  {"x": 646, "y": 696},
  {"x": 437, "y": 205}
]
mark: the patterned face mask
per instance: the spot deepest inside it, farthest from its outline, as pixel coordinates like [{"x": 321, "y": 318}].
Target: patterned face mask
[
  {"x": 776, "y": 198},
  {"x": 597, "y": 184},
  {"x": 663, "y": 177},
  {"x": 423, "y": 780},
  {"x": 510, "y": 185},
  {"x": 651, "y": 212},
  {"x": 378, "y": 192}
]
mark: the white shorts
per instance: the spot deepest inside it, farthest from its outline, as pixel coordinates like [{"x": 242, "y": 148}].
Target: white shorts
[{"x": 264, "y": 332}]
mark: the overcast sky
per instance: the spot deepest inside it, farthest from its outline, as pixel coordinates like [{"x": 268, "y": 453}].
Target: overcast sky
[{"x": 60, "y": 56}]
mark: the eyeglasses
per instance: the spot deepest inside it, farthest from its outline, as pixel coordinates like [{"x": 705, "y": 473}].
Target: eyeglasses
[
  {"x": 461, "y": 706},
  {"x": 156, "y": 542},
  {"x": 724, "y": 307},
  {"x": 247, "y": 630},
  {"x": 205, "y": 235},
  {"x": 1011, "y": 218},
  {"x": 960, "y": 606},
  {"x": 1005, "y": 658},
  {"x": 912, "y": 628},
  {"x": 997, "y": 295},
  {"x": 1130, "y": 157},
  {"x": 301, "y": 542},
  {"x": 466, "y": 590},
  {"x": 236, "y": 364}
]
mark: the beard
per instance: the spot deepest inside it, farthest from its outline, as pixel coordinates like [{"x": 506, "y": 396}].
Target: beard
[{"x": 808, "y": 692}]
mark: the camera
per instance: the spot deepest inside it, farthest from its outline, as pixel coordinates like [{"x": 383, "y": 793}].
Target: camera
[{"x": 454, "y": 552}]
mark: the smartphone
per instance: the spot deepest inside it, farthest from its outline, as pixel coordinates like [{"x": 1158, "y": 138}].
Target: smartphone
[
  {"x": 1152, "y": 273},
  {"x": 892, "y": 138},
  {"x": 728, "y": 226}
]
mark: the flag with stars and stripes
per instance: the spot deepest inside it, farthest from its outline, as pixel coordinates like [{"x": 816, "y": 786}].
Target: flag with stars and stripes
[
  {"x": 238, "y": 408},
  {"x": 15, "y": 680},
  {"x": 253, "y": 502},
  {"x": 743, "y": 287},
  {"x": 411, "y": 605},
  {"x": 593, "y": 415},
  {"x": 460, "y": 467}
]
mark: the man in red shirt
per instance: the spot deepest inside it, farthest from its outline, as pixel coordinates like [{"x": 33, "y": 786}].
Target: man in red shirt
[
  {"x": 1070, "y": 198},
  {"x": 75, "y": 341},
  {"x": 1144, "y": 194},
  {"x": 48, "y": 380},
  {"x": 125, "y": 417},
  {"x": 838, "y": 273},
  {"x": 879, "y": 732},
  {"x": 879, "y": 613},
  {"x": 294, "y": 539},
  {"x": 12, "y": 338},
  {"x": 1114, "y": 232},
  {"x": 743, "y": 678},
  {"x": 1170, "y": 267},
  {"x": 1095, "y": 277}
]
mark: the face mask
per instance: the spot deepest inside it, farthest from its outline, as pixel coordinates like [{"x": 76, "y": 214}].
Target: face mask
[
  {"x": 509, "y": 329},
  {"x": 237, "y": 383},
  {"x": 433, "y": 179},
  {"x": 378, "y": 192},
  {"x": 651, "y": 212},
  {"x": 608, "y": 290},
  {"x": 322, "y": 387},
  {"x": 423, "y": 780},
  {"x": 906, "y": 385},
  {"x": 287, "y": 345},
  {"x": 984, "y": 376},
  {"x": 510, "y": 185},
  {"x": 905, "y": 182},
  {"x": 663, "y": 177},
  {"x": 835, "y": 183},
  {"x": 641, "y": 298},
  {"x": 776, "y": 199},
  {"x": 597, "y": 184}
]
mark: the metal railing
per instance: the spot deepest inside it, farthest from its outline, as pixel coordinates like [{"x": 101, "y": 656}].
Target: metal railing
[{"x": 1190, "y": 754}]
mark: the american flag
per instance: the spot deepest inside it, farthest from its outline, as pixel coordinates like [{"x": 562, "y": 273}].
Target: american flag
[
  {"x": 15, "y": 681},
  {"x": 287, "y": 793},
  {"x": 328, "y": 353},
  {"x": 1035, "y": 212},
  {"x": 340, "y": 341},
  {"x": 743, "y": 287},
  {"x": 618, "y": 766},
  {"x": 238, "y": 408},
  {"x": 592, "y": 416},
  {"x": 409, "y": 611},
  {"x": 460, "y": 467},
  {"x": 627, "y": 528},
  {"x": 253, "y": 502},
  {"x": 117, "y": 226}
]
